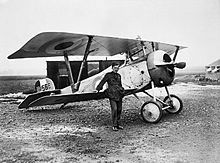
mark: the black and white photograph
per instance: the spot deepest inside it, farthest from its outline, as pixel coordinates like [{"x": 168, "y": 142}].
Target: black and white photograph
[{"x": 107, "y": 81}]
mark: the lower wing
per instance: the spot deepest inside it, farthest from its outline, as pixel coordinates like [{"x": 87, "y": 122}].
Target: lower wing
[{"x": 47, "y": 99}]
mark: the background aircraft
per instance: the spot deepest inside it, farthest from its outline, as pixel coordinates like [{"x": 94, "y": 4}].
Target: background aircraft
[{"x": 147, "y": 65}]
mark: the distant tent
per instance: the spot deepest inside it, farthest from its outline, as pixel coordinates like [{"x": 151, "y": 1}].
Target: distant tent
[{"x": 213, "y": 70}]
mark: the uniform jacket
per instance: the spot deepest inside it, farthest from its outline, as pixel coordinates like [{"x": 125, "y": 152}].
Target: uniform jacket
[{"x": 115, "y": 91}]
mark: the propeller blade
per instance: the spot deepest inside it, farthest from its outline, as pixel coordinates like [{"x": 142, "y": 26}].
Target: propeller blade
[{"x": 180, "y": 65}]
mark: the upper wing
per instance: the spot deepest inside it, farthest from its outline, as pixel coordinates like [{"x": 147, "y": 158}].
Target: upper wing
[{"x": 51, "y": 44}]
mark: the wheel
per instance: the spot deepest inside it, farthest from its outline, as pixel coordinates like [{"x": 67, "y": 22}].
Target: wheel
[
  {"x": 176, "y": 104},
  {"x": 151, "y": 112}
]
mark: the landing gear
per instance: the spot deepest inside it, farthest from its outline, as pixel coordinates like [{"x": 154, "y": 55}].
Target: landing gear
[
  {"x": 175, "y": 103},
  {"x": 151, "y": 112}
]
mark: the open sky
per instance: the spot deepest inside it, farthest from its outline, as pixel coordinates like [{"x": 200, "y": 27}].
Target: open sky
[{"x": 191, "y": 23}]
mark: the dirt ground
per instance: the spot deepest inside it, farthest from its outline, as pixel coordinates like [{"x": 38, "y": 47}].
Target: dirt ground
[{"x": 81, "y": 132}]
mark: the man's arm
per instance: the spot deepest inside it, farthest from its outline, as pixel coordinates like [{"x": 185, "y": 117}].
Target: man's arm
[{"x": 120, "y": 80}]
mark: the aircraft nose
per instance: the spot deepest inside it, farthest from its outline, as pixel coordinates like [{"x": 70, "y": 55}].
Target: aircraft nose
[{"x": 162, "y": 76}]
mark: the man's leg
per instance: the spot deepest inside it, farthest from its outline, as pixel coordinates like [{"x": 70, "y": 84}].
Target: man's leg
[
  {"x": 114, "y": 112},
  {"x": 119, "y": 110}
]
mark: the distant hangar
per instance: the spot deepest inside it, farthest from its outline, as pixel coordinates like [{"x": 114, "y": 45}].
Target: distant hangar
[{"x": 213, "y": 70}]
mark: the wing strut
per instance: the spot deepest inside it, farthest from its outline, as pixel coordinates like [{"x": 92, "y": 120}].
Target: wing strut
[
  {"x": 84, "y": 59},
  {"x": 144, "y": 48},
  {"x": 177, "y": 49},
  {"x": 152, "y": 44},
  {"x": 69, "y": 71}
]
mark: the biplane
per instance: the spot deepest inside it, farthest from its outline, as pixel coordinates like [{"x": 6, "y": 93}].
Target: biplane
[{"x": 147, "y": 65}]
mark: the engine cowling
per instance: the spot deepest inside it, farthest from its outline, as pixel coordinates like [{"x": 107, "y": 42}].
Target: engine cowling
[
  {"x": 162, "y": 76},
  {"x": 161, "y": 68}
]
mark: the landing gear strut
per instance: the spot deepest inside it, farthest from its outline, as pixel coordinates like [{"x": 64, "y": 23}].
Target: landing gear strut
[{"x": 152, "y": 111}]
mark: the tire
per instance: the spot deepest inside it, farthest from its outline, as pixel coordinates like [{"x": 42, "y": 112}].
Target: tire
[
  {"x": 151, "y": 112},
  {"x": 176, "y": 106}
]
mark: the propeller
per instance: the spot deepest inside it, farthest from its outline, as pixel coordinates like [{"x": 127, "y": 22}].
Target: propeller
[
  {"x": 162, "y": 68},
  {"x": 180, "y": 65}
]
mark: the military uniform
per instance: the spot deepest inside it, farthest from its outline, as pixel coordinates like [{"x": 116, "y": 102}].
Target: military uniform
[{"x": 115, "y": 93}]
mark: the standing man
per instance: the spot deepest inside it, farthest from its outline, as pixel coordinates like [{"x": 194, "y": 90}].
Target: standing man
[{"x": 115, "y": 93}]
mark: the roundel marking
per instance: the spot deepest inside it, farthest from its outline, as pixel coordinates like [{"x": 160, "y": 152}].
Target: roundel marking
[{"x": 63, "y": 45}]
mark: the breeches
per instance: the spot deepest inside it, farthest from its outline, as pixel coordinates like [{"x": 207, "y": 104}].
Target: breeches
[{"x": 116, "y": 108}]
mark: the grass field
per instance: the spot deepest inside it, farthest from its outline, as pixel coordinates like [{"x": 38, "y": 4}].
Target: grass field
[
  {"x": 81, "y": 131},
  {"x": 15, "y": 84}
]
